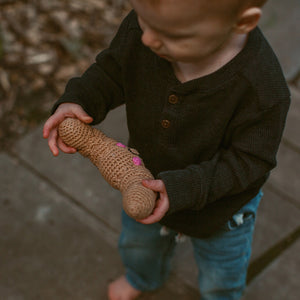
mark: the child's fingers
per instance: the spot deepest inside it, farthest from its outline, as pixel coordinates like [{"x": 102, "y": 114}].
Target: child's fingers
[
  {"x": 64, "y": 148},
  {"x": 154, "y": 185},
  {"x": 50, "y": 130},
  {"x": 65, "y": 110},
  {"x": 52, "y": 142},
  {"x": 80, "y": 113},
  {"x": 52, "y": 123},
  {"x": 161, "y": 207},
  {"x": 162, "y": 204}
]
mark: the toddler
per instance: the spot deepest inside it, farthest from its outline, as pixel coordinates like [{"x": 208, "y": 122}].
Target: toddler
[{"x": 206, "y": 104}]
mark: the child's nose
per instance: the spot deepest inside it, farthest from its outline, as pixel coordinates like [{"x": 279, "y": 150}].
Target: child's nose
[{"x": 151, "y": 40}]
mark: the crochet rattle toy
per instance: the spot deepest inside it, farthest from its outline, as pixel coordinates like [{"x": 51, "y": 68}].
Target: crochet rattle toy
[{"x": 120, "y": 166}]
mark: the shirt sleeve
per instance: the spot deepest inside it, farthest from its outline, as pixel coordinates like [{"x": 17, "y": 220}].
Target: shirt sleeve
[
  {"x": 243, "y": 164},
  {"x": 99, "y": 89}
]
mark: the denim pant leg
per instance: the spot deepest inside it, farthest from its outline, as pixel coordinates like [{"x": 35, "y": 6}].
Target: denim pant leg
[
  {"x": 223, "y": 259},
  {"x": 145, "y": 253}
]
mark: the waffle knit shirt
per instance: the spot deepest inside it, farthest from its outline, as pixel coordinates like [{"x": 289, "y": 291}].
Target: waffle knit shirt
[{"x": 212, "y": 140}]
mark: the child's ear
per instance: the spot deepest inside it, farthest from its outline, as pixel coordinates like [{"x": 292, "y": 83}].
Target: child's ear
[{"x": 248, "y": 20}]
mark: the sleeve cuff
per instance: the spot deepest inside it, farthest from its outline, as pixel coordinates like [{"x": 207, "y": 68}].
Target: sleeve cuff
[{"x": 183, "y": 190}]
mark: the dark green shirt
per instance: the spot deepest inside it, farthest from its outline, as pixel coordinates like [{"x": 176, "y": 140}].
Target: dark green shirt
[{"x": 212, "y": 140}]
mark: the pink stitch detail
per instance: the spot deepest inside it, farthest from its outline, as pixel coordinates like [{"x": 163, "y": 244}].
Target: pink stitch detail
[
  {"x": 137, "y": 161},
  {"x": 121, "y": 145}
]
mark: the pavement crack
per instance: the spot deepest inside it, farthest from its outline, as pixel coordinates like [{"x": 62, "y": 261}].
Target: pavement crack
[{"x": 263, "y": 261}]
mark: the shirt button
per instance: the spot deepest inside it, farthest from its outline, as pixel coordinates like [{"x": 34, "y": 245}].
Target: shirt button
[
  {"x": 165, "y": 123},
  {"x": 173, "y": 99}
]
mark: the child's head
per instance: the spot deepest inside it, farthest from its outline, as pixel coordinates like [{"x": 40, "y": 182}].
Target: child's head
[{"x": 193, "y": 29}]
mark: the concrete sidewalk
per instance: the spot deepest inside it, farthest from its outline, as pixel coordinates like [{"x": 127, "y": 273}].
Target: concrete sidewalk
[{"x": 59, "y": 220}]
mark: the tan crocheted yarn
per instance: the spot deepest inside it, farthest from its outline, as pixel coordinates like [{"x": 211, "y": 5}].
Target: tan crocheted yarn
[{"x": 121, "y": 166}]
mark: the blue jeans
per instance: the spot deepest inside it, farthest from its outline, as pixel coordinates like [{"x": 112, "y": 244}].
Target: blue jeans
[{"x": 222, "y": 259}]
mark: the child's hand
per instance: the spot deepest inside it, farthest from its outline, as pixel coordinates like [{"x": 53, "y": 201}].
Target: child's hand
[
  {"x": 50, "y": 130},
  {"x": 162, "y": 204}
]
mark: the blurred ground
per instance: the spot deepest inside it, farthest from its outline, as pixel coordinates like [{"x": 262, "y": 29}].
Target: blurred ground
[{"x": 42, "y": 43}]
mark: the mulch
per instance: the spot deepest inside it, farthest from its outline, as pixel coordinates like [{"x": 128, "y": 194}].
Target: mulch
[{"x": 42, "y": 44}]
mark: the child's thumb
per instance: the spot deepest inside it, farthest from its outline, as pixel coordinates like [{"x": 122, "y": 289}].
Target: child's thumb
[
  {"x": 154, "y": 185},
  {"x": 83, "y": 116}
]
